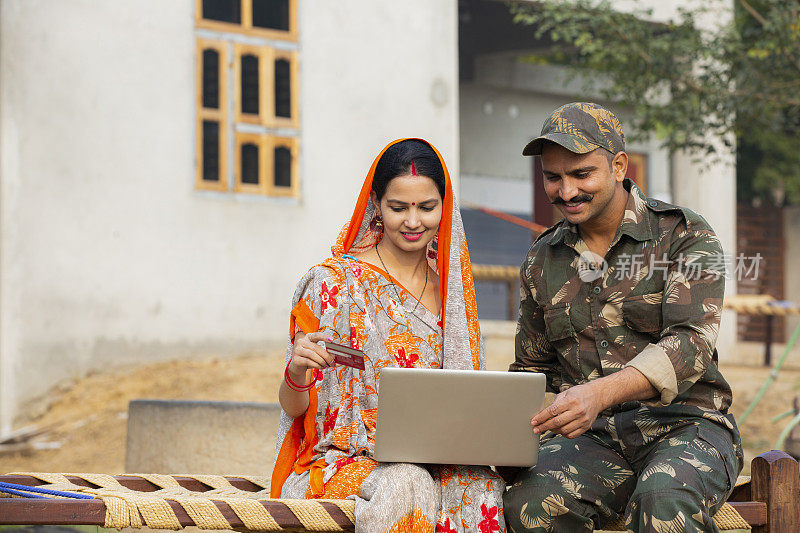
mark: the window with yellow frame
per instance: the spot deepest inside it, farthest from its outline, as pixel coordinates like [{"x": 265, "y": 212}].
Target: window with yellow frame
[
  {"x": 247, "y": 97},
  {"x": 275, "y": 19},
  {"x": 266, "y": 164}
]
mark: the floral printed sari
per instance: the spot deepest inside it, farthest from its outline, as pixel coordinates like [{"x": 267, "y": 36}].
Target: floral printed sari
[{"x": 327, "y": 452}]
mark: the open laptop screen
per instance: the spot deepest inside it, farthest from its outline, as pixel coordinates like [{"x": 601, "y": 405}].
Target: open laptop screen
[{"x": 458, "y": 417}]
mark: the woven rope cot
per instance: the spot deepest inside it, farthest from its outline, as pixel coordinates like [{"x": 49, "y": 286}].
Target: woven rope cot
[
  {"x": 726, "y": 519},
  {"x": 769, "y": 502},
  {"x": 205, "y": 501},
  {"x": 760, "y": 304},
  {"x": 222, "y": 505}
]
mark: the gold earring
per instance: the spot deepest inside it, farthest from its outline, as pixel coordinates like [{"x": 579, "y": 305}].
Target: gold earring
[{"x": 379, "y": 222}]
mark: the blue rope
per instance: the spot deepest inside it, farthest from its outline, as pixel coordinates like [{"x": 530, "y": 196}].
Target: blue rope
[
  {"x": 22, "y": 490},
  {"x": 23, "y": 494}
]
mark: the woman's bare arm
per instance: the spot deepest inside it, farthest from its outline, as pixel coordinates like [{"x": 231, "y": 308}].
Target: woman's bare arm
[{"x": 307, "y": 355}]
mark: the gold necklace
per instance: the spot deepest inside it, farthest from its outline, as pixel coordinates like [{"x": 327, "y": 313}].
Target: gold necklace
[{"x": 395, "y": 286}]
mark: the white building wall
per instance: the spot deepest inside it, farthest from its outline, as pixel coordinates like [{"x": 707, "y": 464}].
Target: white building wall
[
  {"x": 504, "y": 109},
  {"x": 108, "y": 255},
  {"x": 664, "y": 11},
  {"x": 791, "y": 258}
]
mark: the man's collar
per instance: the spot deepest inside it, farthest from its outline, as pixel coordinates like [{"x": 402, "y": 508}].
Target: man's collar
[
  {"x": 635, "y": 220},
  {"x": 564, "y": 232}
]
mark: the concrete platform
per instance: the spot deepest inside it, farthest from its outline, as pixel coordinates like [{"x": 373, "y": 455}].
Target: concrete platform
[
  {"x": 201, "y": 437},
  {"x": 498, "y": 336}
]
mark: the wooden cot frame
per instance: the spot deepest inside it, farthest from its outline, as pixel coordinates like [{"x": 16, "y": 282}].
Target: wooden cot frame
[{"x": 769, "y": 502}]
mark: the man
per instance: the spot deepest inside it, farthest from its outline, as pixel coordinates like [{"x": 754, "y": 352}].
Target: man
[{"x": 620, "y": 309}]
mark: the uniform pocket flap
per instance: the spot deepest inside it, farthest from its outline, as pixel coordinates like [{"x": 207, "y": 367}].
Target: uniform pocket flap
[{"x": 557, "y": 322}]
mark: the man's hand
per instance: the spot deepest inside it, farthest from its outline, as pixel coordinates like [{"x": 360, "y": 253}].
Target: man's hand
[
  {"x": 571, "y": 413},
  {"x": 574, "y": 410}
]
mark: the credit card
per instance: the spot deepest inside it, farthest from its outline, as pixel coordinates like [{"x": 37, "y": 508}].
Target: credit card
[{"x": 345, "y": 355}]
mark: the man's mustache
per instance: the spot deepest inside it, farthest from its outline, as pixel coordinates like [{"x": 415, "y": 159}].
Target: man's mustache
[{"x": 574, "y": 199}]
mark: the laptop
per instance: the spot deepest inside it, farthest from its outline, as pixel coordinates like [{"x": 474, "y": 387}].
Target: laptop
[{"x": 463, "y": 417}]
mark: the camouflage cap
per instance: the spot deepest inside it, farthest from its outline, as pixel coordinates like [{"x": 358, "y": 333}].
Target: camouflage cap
[{"x": 580, "y": 127}]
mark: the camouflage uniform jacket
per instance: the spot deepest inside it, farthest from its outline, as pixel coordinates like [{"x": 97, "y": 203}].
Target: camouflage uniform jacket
[{"x": 656, "y": 308}]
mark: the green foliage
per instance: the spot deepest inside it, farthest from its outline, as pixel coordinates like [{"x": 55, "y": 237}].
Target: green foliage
[
  {"x": 689, "y": 85},
  {"x": 771, "y": 161}
]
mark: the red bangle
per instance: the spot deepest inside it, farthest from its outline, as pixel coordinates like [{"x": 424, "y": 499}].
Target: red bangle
[{"x": 294, "y": 386}]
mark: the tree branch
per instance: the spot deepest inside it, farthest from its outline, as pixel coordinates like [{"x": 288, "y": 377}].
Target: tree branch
[
  {"x": 752, "y": 11},
  {"x": 644, "y": 55},
  {"x": 786, "y": 85}
]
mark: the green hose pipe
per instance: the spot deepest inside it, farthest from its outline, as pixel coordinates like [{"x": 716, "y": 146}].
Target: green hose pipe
[
  {"x": 776, "y": 418},
  {"x": 786, "y": 431},
  {"x": 771, "y": 377}
]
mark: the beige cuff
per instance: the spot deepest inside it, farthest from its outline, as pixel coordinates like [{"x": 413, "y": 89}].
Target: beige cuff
[{"x": 656, "y": 366}]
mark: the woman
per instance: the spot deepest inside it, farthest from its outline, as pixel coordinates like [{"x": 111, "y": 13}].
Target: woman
[{"x": 399, "y": 287}]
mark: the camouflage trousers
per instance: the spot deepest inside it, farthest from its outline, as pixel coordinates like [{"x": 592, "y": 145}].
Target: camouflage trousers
[{"x": 660, "y": 469}]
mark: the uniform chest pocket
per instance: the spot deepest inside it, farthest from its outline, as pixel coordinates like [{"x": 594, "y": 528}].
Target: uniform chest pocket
[
  {"x": 557, "y": 322},
  {"x": 643, "y": 312}
]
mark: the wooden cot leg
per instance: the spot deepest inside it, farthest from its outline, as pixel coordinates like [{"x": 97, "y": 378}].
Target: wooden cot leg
[
  {"x": 768, "y": 342},
  {"x": 776, "y": 482}
]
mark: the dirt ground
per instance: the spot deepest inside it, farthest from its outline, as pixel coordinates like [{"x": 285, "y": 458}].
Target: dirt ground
[{"x": 88, "y": 418}]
